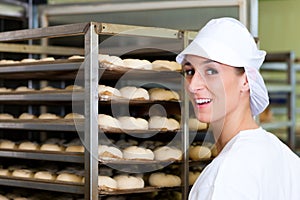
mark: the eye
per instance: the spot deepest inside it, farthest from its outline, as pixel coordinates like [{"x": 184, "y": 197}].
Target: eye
[
  {"x": 211, "y": 71},
  {"x": 189, "y": 72}
]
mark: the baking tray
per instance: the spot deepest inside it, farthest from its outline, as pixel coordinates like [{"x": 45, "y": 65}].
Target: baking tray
[{"x": 58, "y": 186}]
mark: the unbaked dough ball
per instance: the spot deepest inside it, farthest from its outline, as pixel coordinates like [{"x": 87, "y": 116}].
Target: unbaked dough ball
[
  {"x": 161, "y": 94},
  {"x": 104, "y": 90},
  {"x": 22, "y": 173},
  {"x": 107, "y": 183},
  {"x": 163, "y": 123},
  {"x": 51, "y": 147},
  {"x": 75, "y": 148},
  {"x": 44, "y": 175},
  {"x": 132, "y": 92},
  {"x": 69, "y": 177},
  {"x": 195, "y": 124},
  {"x": 27, "y": 145},
  {"x": 109, "y": 152},
  {"x": 167, "y": 153},
  {"x": 138, "y": 153},
  {"x": 131, "y": 123},
  {"x": 166, "y": 65},
  {"x": 6, "y": 116},
  {"x": 106, "y": 121},
  {"x": 27, "y": 116},
  {"x": 125, "y": 182},
  {"x": 74, "y": 116},
  {"x": 137, "y": 64},
  {"x": 193, "y": 177},
  {"x": 49, "y": 116},
  {"x": 199, "y": 153},
  {"x": 7, "y": 144},
  {"x": 160, "y": 179}
]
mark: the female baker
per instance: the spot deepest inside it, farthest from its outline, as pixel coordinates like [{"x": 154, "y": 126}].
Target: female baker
[{"x": 222, "y": 71}]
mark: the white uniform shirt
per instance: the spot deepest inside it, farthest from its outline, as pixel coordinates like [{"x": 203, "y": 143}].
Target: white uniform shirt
[{"x": 254, "y": 165}]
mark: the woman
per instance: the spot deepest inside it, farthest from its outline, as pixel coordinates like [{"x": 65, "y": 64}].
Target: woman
[{"x": 227, "y": 91}]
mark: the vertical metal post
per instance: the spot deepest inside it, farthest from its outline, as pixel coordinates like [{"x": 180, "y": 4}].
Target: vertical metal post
[
  {"x": 243, "y": 12},
  {"x": 185, "y": 128},
  {"x": 91, "y": 113},
  {"x": 291, "y": 100}
]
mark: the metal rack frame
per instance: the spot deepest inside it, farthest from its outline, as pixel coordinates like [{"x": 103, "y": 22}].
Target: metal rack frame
[
  {"x": 91, "y": 32},
  {"x": 284, "y": 61}
]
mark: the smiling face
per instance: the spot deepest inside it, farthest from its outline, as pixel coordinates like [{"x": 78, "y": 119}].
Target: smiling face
[{"x": 215, "y": 88}]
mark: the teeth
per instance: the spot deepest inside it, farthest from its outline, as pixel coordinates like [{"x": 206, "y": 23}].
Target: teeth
[{"x": 202, "y": 101}]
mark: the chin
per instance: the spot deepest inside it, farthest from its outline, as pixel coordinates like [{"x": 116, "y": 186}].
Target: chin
[{"x": 203, "y": 118}]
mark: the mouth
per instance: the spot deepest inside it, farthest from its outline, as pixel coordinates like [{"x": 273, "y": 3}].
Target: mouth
[{"x": 203, "y": 101}]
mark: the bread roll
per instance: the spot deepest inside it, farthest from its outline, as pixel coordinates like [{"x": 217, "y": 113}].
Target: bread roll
[
  {"x": 166, "y": 65},
  {"x": 27, "y": 145},
  {"x": 6, "y": 116},
  {"x": 27, "y": 116},
  {"x": 163, "y": 123},
  {"x": 27, "y": 60},
  {"x": 74, "y": 116},
  {"x": 49, "y": 116},
  {"x": 69, "y": 177},
  {"x": 131, "y": 123},
  {"x": 22, "y": 173},
  {"x": 5, "y": 172},
  {"x": 48, "y": 88},
  {"x": 160, "y": 179},
  {"x": 104, "y": 90},
  {"x": 167, "y": 153},
  {"x": 47, "y": 59},
  {"x": 125, "y": 182},
  {"x": 2, "y": 197},
  {"x": 44, "y": 175},
  {"x": 75, "y": 57},
  {"x": 3, "y": 89},
  {"x": 199, "y": 153},
  {"x": 107, "y": 183},
  {"x": 51, "y": 147},
  {"x": 75, "y": 148},
  {"x": 24, "y": 89},
  {"x": 7, "y": 144},
  {"x": 131, "y": 92},
  {"x": 110, "y": 61},
  {"x": 137, "y": 64},
  {"x": 193, "y": 177},
  {"x": 138, "y": 153},
  {"x": 109, "y": 152},
  {"x": 161, "y": 94},
  {"x": 195, "y": 124},
  {"x": 4, "y": 62},
  {"x": 74, "y": 87},
  {"x": 106, "y": 121}
]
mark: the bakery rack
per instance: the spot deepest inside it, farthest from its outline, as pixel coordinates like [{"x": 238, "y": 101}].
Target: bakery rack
[
  {"x": 279, "y": 74},
  {"x": 59, "y": 69}
]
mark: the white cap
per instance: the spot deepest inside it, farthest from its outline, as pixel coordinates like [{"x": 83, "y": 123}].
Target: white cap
[{"x": 228, "y": 41}]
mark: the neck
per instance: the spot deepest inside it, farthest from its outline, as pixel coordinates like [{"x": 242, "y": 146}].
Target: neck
[{"x": 228, "y": 127}]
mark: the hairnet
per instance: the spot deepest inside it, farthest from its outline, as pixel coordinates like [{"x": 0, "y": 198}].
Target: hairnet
[{"x": 228, "y": 41}]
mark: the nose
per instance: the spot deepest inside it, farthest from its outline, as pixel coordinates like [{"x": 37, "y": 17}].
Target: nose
[{"x": 196, "y": 83}]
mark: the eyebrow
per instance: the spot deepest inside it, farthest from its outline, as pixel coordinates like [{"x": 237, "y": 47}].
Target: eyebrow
[{"x": 204, "y": 62}]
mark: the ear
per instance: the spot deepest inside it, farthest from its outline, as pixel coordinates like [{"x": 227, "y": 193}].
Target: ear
[{"x": 244, "y": 83}]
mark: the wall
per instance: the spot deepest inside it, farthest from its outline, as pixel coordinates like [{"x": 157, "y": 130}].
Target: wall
[{"x": 279, "y": 28}]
